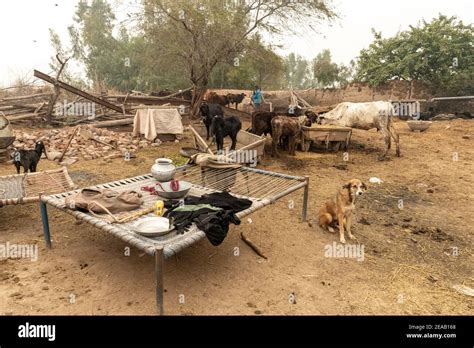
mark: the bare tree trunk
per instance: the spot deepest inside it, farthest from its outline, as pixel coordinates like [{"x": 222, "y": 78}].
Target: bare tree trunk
[
  {"x": 198, "y": 96},
  {"x": 54, "y": 97}
]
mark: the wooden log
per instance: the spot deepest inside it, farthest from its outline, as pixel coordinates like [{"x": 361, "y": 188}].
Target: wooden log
[
  {"x": 252, "y": 246},
  {"x": 25, "y": 116},
  {"x": 76, "y": 91},
  {"x": 105, "y": 124},
  {"x": 304, "y": 102},
  {"x": 201, "y": 140},
  {"x": 73, "y": 134},
  {"x": 23, "y": 97}
]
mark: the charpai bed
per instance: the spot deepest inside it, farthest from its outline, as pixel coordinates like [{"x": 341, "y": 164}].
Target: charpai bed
[
  {"x": 27, "y": 188},
  {"x": 259, "y": 186}
]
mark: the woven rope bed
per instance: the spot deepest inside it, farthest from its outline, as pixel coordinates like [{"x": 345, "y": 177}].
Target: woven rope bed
[
  {"x": 26, "y": 188},
  {"x": 261, "y": 187}
]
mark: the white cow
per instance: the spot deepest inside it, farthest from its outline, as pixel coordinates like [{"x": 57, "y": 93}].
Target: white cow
[{"x": 365, "y": 116}]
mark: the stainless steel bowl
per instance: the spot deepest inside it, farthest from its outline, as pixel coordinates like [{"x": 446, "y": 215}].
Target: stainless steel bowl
[{"x": 168, "y": 193}]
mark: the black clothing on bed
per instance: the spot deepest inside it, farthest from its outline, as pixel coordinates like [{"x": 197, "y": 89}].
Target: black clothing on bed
[{"x": 214, "y": 222}]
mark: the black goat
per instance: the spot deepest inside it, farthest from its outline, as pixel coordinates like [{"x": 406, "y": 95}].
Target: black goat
[
  {"x": 222, "y": 127},
  {"x": 28, "y": 159},
  {"x": 208, "y": 111}
]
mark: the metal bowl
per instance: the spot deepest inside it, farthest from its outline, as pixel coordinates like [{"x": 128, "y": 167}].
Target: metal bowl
[
  {"x": 152, "y": 226},
  {"x": 419, "y": 125},
  {"x": 188, "y": 151},
  {"x": 168, "y": 193}
]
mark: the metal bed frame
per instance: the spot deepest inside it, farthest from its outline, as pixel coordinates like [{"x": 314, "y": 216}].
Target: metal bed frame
[{"x": 260, "y": 186}]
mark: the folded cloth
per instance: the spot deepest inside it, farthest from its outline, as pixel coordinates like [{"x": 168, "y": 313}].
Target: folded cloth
[
  {"x": 104, "y": 201},
  {"x": 213, "y": 161}
]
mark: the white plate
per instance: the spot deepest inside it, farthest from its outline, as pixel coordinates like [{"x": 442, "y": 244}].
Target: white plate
[{"x": 152, "y": 226}]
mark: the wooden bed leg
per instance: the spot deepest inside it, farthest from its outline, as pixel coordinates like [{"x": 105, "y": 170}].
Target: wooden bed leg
[
  {"x": 159, "y": 273},
  {"x": 44, "y": 217},
  {"x": 305, "y": 199}
]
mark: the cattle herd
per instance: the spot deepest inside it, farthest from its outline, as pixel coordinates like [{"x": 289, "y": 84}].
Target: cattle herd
[
  {"x": 284, "y": 126},
  {"x": 285, "y": 122}
]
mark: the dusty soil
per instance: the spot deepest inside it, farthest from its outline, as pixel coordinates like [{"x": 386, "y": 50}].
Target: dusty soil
[{"x": 410, "y": 263}]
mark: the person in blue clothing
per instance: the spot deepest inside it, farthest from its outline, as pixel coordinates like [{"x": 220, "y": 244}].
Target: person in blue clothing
[{"x": 257, "y": 97}]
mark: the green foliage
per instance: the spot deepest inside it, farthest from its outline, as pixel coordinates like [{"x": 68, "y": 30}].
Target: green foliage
[
  {"x": 324, "y": 70},
  {"x": 427, "y": 52},
  {"x": 329, "y": 74},
  {"x": 297, "y": 72},
  {"x": 256, "y": 65},
  {"x": 180, "y": 42}
]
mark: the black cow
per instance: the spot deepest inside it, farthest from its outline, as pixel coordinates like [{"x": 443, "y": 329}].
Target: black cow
[
  {"x": 222, "y": 127},
  {"x": 235, "y": 99},
  {"x": 208, "y": 111},
  {"x": 262, "y": 122}
]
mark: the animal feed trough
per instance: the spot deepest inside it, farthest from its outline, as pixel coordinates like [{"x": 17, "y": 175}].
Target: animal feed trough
[
  {"x": 329, "y": 135},
  {"x": 249, "y": 146}
]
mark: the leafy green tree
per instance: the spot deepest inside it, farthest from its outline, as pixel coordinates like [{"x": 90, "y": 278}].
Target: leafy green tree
[
  {"x": 440, "y": 53},
  {"x": 202, "y": 34},
  {"x": 324, "y": 70},
  {"x": 257, "y": 65},
  {"x": 297, "y": 72}
]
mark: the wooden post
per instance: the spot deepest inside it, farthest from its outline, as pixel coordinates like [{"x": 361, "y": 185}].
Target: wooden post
[{"x": 305, "y": 199}]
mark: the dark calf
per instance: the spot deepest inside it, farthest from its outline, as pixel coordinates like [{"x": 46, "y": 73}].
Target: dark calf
[
  {"x": 235, "y": 99},
  {"x": 222, "y": 127},
  {"x": 262, "y": 122},
  {"x": 28, "y": 159},
  {"x": 208, "y": 111}
]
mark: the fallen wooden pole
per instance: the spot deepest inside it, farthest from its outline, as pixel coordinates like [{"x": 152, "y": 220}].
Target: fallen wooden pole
[
  {"x": 201, "y": 140},
  {"x": 105, "y": 124},
  {"x": 25, "y": 116},
  {"x": 76, "y": 91},
  {"x": 74, "y": 131},
  {"x": 253, "y": 246},
  {"x": 23, "y": 97}
]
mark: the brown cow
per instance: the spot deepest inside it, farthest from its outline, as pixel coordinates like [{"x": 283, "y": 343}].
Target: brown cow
[
  {"x": 289, "y": 128},
  {"x": 213, "y": 97}
]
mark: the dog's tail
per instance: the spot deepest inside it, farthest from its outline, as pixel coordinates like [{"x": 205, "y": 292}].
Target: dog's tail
[{"x": 325, "y": 219}]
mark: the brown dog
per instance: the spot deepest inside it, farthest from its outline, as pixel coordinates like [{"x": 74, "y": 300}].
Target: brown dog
[{"x": 341, "y": 208}]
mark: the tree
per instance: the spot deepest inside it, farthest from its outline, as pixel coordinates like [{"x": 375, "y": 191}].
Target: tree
[
  {"x": 208, "y": 32},
  {"x": 440, "y": 53},
  {"x": 297, "y": 72},
  {"x": 94, "y": 43},
  {"x": 324, "y": 70},
  {"x": 257, "y": 65}
]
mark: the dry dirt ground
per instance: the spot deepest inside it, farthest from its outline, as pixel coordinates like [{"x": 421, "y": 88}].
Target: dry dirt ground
[{"x": 414, "y": 253}]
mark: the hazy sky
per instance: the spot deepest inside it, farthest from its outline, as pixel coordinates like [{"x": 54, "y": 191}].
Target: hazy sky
[{"x": 24, "y": 37}]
